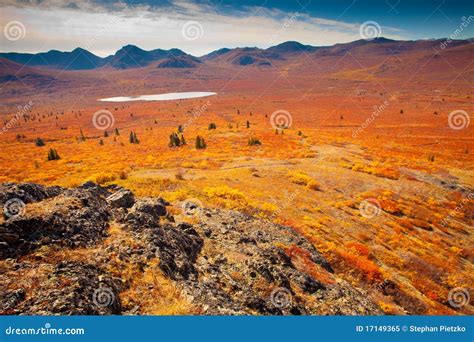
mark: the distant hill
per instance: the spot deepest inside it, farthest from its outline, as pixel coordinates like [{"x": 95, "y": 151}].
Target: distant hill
[
  {"x": 17, "y": 74},
  {"x": 291, "y": 47},
  {"x": 77, "y": 59},
  {"x": 131, "y": 56},
  {"x": 185, "y": 61}
]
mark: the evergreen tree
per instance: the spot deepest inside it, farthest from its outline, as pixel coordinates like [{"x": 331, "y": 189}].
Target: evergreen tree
[
  {"x": 117, "y": 132},
  {"x": 200, "y": 143},
  {"x": 133, "y": 138},
  {"x": 175, "y": 141},
  {"x": 248, "y": 124},
  {"x": 106, "y": 134},
  {"x": 254, "y": 142},
  {"x": 39, "y": 142},
  {"x": 82, "y": 137},
  {"x": 53, "y": 154},
  {"x": 212, "y": 125}
]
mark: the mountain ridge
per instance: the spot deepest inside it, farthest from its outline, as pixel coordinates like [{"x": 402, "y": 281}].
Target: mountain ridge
[{"x": 132, "y": 56}]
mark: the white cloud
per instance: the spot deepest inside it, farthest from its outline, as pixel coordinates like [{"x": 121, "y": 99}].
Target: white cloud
[{"x": 103, "y": 30}]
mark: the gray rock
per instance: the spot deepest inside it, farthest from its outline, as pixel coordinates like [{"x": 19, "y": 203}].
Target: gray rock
[
  {"x": 146, "y": 211},
  {"x": 123, "y": 198},
  {"x": 227, "y": 263}
]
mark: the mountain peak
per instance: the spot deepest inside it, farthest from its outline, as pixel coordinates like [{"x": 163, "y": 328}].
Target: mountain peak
[
  {"x": 290, "y": 46},
  {"x": 130, "y": 48}
]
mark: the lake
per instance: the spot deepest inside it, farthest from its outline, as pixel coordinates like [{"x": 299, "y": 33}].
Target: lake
[{"x": 159, "y": 97}]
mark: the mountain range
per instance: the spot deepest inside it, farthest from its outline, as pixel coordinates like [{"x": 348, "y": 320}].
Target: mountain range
[{"x": 131, "y": 56}]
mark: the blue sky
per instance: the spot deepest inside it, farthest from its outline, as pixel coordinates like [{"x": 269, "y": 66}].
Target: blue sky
[{"x": 103, "y": 26}]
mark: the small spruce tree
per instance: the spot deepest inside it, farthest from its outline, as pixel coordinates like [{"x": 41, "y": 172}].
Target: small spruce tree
[
  {"x": 254, "y": 142},
  {"x": 133, "y": 138},
  {"x": 39, "y": 142},
  {"x": 200, "y": 143},
  {"x": 53, "y": 154}
]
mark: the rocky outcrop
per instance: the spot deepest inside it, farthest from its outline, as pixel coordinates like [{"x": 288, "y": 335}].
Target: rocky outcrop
[
  {"x": 224, "y": 262},
  {"x": 72, "y": 288},
  {"x": 67, "y": 217},
  {"x": 26, "y": 192}
]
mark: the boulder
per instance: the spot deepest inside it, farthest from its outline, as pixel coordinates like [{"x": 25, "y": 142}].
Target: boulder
[{"x": 123, "y": 198}]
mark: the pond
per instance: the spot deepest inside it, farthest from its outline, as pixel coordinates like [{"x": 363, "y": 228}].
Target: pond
[{"x": 159, "y": 97}]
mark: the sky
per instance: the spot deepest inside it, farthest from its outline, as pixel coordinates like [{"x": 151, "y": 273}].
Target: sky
[{"x": 201, "y": 26}]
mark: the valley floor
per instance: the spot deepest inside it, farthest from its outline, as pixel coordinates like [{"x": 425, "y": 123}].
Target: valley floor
[{"x": 388, "y": 203}]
